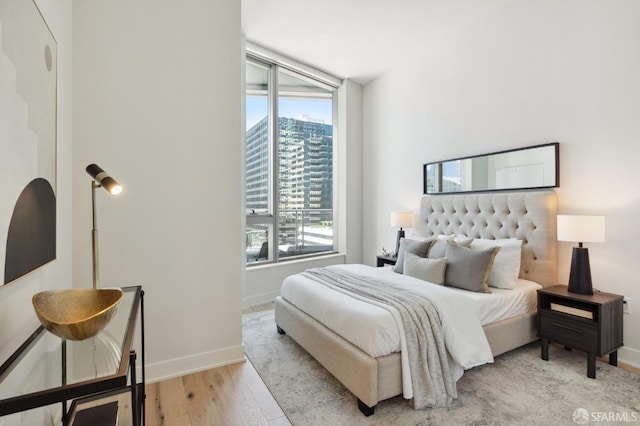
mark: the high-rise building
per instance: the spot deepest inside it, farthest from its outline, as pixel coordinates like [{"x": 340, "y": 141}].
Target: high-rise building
[
  {"x": 257, "y": 167},
  {"x": 305, "y": 174}
]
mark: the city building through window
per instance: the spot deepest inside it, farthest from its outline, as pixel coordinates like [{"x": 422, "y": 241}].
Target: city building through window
[{"x": 289, "y": 155}]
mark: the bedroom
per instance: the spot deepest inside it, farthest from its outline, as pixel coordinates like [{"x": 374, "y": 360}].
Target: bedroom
[
  {"x": 569, "y": 74},
  {"x": 505, "y": 64}
]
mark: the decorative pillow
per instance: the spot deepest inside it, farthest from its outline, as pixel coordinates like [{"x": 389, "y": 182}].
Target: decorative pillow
[
  {"x": 438, "y": 248},
  {"x": 506, "y": 266},
  {"x": 419, "y": 248},
  {"x": 431, "y": 270},
  {"x": 418, "y": 237},
  {"x": 469, "y": 268}
]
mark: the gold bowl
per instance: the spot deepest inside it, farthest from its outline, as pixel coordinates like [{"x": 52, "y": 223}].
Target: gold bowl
[{"x": 76, "y": 314}]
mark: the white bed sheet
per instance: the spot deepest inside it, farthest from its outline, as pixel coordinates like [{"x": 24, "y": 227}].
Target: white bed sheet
[{"x": 352, "y": 318}]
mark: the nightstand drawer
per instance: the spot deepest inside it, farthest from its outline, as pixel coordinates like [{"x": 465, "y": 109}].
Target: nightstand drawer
[
  {"x": 573, "y": 332},
  {"x": 588, "y": 322}
]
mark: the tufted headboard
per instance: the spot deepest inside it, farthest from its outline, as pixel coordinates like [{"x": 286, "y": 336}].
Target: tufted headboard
[{"x": 528, "y": 216}]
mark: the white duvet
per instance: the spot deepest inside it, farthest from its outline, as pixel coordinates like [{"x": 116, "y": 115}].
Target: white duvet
[{"x": 462, "y": 315}]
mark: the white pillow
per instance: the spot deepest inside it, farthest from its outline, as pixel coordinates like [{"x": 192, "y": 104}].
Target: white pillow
[
  {"x": 426, "y": 269},
  {"x": 506, "y": 266}
]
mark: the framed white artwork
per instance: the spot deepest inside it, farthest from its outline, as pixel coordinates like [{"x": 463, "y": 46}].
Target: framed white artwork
[{"x": 28, "y": 105}]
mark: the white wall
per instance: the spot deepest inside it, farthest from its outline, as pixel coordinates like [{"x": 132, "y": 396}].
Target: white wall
[
  {"x": 264, "y": 281},
  {"x": 531, "y": 73},
  {"x": 350, "y": 171},
  {"x": 17, "y": 318},
  {"x": 156, "y": 103}
]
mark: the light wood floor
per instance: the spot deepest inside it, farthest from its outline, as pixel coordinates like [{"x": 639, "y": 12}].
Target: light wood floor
[{"x": 232, "y": 395}]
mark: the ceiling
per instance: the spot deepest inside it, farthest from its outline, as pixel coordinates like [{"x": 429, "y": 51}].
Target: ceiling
[{"x": 357, "y": 39}]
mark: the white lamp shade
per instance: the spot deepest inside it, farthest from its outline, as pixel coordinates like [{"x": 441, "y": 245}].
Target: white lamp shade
[
  {"x": 401, "y": 219},
  {"x": 583, "y": 229}
]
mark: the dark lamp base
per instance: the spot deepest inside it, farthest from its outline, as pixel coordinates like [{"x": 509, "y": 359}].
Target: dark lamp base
[
  {"x": 580, "y": 276},
  {"x": 400, "y": 235}
]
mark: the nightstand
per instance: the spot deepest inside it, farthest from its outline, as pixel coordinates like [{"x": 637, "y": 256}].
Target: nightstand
[
  {"x": 589, "y": 323},
  {"x": 382, "y": 260}
]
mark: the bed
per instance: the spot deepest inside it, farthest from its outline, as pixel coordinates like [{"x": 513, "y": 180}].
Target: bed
[{"x": 528, "y": 216}]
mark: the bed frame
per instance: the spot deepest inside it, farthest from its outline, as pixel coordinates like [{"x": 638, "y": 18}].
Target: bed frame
[{"x": 529, "y": 216}]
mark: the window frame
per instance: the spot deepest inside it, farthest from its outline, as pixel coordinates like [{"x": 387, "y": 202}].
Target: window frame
[{"x": 276, "y": 63}]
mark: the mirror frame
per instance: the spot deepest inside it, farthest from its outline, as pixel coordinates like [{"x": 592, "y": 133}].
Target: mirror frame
[{"x": 555, "y": 184}]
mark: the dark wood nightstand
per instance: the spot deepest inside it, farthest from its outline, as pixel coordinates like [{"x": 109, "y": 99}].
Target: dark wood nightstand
[
  {"x": 382, "y": 260},
  {"x": 589, "y": 323}
]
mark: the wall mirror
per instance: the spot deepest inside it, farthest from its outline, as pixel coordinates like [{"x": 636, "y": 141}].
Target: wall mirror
[{"x": 523, "y": 168}]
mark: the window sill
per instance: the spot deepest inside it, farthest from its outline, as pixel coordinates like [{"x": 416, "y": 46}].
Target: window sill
[{"x": 296, "y": 260}]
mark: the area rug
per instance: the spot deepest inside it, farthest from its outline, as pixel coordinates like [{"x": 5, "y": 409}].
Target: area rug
[{"x": 517, "y": 389}]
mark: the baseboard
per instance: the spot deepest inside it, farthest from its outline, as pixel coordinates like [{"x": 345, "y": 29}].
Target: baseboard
[
  {"x": 629, "y": 356},
  {"x": 259, "y": 299},
  {"x": 194, "y": 363}
]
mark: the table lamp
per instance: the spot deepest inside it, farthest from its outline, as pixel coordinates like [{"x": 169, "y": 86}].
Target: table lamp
[
  {"x": 581, "y": 229},
  {"x": 101, "y": 179},
  {"x": 401, "y": 220}
]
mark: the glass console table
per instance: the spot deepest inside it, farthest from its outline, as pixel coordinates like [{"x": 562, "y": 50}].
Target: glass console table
[{"x": 50, "y": 372}]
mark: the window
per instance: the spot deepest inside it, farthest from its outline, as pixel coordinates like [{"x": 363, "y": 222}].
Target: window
[{"x": 288, "y": 162}]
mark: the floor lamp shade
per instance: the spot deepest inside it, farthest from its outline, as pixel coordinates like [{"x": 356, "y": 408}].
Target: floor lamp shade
[
  {"x": 581, "y": 229},
  {"x": 103, "y": 179},
  {"x": 401, "y": 220}
]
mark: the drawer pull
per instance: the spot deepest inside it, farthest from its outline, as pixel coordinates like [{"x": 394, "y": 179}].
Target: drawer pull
[{"x": 577, "y": 330}]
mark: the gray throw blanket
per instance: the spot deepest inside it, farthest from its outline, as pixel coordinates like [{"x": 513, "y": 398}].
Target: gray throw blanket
[{"x": 431, "y": 378}]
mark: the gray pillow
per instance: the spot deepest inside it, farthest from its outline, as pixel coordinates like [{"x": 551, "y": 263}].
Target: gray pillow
[
  {"x": 468, "y": 268},
  {"x": 431, "y": 270},
  {"x": 417, "y": 247},
  {"x": 437, "y": 250}
]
